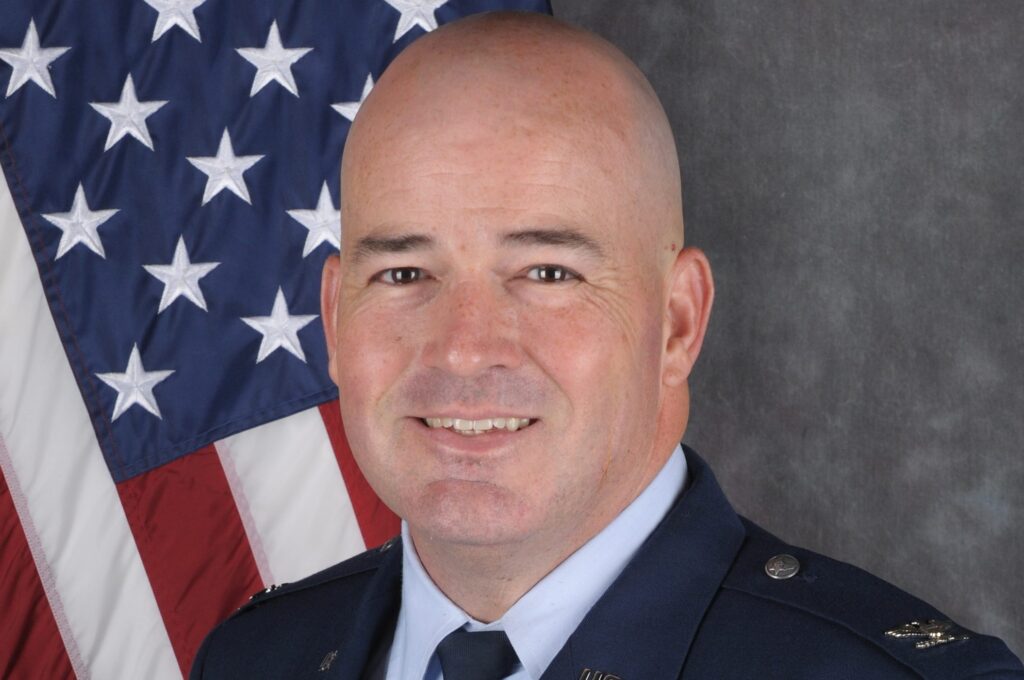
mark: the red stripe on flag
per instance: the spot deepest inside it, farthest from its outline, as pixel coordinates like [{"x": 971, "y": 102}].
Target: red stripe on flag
[
  {"x": 193, "y": 546},
  {"x": 376, "y": 521},
  {"x": 30, "y": 643}
]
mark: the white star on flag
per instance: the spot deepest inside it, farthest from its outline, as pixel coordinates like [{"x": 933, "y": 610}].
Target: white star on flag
[
  {"x": 31, "y": 62},
  {"x": 80, "y": 225},
  {"x": 323, "y": 222},
  {"x": 180, "y": 13},
  {"x": 135, "y": 386},
  {"x": 181, "y": 277},
  {"x": 128, "y": 116},
  {"x": 280, "y": 329},
  {"x": 273, "y": 62},
  {"x": 224, "y": 171},
  {"x": 415, "y": 13},
  {"x": 350, "y": 109}
]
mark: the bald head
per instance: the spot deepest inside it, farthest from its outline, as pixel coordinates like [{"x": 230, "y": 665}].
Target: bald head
[{"x": 523, "y": 87}]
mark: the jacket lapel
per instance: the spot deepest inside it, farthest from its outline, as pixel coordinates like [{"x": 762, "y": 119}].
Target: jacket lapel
[
  {"x": 374, "y": 615},
  {"x": 643, "y": 626}
]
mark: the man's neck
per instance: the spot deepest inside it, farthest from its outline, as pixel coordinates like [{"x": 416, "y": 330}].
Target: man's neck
[{"x": 486, "y": 580}]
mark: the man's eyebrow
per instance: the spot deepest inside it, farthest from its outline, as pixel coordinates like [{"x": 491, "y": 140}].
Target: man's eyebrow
[
  {"x": 562, "y": 236},
  {"x": 383, "y": 245}
]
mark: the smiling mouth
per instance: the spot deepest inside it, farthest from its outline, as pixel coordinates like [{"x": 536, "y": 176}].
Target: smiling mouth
[{"x": 472, "y": 428}]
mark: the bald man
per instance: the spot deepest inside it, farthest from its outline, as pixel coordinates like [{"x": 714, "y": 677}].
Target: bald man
[{"x": 511, "y": 324}]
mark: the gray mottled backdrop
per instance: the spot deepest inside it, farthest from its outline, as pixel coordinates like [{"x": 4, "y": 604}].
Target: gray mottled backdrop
[{"x": 855, "y": 171}]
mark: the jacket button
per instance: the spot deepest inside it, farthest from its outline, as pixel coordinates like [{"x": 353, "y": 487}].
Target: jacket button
[{"x": 782, "y": 567}]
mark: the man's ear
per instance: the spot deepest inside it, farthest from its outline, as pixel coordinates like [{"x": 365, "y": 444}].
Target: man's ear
[
  {"x": 690, "y": 295},
  {"x": 330, "y": 289}
]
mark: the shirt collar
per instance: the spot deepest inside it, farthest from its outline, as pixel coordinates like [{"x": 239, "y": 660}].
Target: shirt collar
[{"x": 540, "y": 623}]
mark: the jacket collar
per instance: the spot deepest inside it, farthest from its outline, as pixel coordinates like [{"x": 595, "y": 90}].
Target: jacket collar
[
  {"x": 644, "y": 624},
  {"x": 375, "y": 614}
]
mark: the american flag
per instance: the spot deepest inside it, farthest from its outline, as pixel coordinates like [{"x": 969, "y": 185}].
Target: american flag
[{"x": 169, "y": 437}]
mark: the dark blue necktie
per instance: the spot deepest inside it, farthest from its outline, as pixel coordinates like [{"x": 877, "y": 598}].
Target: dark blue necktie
[{"x": 484, "y": 655}]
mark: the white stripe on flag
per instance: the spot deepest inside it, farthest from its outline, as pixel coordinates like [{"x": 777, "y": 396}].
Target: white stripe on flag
[
  {"x": 291, "y": 496},
  {"x": 82, "y": 531}
]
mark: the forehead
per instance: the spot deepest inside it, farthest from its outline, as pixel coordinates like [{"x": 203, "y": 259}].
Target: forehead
[{"x": 487, "y": 170}]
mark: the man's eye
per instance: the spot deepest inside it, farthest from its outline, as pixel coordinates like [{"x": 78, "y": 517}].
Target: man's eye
[
  {"x": 551, "y": 273},
  {"x": 399, "y": 276}
]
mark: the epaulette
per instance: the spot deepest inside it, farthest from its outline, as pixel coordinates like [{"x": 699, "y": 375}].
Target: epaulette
[
  {"x": 912, "y": 632},
  {"x": 365, "y": 561}
]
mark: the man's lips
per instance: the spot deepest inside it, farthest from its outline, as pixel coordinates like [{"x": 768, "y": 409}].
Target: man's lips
[
  {"x": 449, "y": 441},
  {"x": 477, "y": 426},
  {"x": 472, "y": 456}
]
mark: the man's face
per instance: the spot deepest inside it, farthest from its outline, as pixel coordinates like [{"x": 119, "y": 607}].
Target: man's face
[{"x": 499, "y": 269}]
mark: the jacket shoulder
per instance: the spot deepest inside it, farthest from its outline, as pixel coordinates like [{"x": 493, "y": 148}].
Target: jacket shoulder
[
  {"x": 301, "y": 625},
  {"x": 359, "y": 565},
  {"x": 857, "y": 613}
]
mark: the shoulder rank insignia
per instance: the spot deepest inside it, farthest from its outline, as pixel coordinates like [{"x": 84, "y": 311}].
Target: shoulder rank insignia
[{"x": 931, "y": 633}]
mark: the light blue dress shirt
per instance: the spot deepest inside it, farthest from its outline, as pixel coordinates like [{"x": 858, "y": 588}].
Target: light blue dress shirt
[{"x": 539, "y": 624}]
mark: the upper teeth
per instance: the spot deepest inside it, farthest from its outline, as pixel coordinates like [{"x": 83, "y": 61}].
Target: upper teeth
[{"x": 464, "y": 426}]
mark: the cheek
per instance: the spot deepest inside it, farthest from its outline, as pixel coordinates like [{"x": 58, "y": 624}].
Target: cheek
[
  {"x": 598, "y": 357},
  {"x": 605, "y": 360},
  {"x": 372, "y": 352},
  {"x": 595, "y": 339}
]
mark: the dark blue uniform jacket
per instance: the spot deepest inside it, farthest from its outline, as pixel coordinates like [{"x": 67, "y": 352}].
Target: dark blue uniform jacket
[{"x": 695, "y": 602}]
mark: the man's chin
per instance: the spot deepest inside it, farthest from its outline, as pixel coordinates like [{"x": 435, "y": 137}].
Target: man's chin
[{"x": 470, "y": 514}]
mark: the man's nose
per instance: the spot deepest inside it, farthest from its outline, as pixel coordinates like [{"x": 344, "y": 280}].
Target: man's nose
[{"x": 473, "y": 328}]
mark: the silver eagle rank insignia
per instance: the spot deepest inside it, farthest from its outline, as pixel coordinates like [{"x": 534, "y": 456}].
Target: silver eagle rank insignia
[{"x": 931, "y": 633}]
